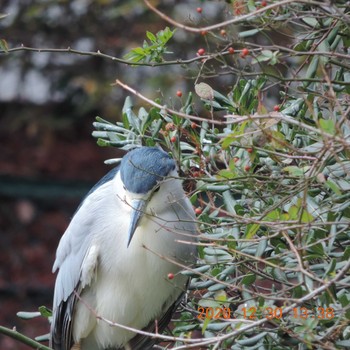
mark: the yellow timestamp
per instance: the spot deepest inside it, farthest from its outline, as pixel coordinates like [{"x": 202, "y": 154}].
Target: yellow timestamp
[{"x": 253, "y": 313}]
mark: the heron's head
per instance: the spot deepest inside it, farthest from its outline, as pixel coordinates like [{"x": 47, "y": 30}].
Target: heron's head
[{"x": 144, "y": 172}]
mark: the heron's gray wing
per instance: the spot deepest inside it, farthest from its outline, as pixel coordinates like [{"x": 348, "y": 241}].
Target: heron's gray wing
[
  {"x": 73, "y": 261},
  {"x": 76, "y": 259}
]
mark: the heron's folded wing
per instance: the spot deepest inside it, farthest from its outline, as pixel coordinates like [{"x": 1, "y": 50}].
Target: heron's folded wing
[
  {"x": 76, "y": 259},
  {"x": 61, "y": 326}
]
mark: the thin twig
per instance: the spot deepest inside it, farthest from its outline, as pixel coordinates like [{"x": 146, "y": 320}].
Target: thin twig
[
  {"x": 138, "y": 331},
  {"x": 299, "y": 259},
  {"x": 98, "y": 53},
  {"x": 12, "y": 333},
  {"x": 235, "y": 20},
  {"x": 165, "y": 108}
]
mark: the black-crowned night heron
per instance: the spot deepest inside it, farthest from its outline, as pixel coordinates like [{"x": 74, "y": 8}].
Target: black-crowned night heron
[{"x": 115, "y": 257}]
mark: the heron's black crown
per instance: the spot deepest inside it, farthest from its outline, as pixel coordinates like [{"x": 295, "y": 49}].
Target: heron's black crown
[{"x": 142, "y": 168}]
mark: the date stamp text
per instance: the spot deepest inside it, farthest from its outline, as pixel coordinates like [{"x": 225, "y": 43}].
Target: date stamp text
[{"x": 253, "y": 313}]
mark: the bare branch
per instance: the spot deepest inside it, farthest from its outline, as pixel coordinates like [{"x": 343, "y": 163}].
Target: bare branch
[
  {"x": 235, "y": 20},
  {"x": 165, "y": 108},
  {"x": 12, "y": 333}
]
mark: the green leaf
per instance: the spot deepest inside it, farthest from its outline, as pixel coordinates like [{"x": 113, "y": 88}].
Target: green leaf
[
  {"x": 293, "y": 213},
  {"x": 273, "y": 215},
  {"x": 103, "y": 143},
  {"x": 42, "y": 338},
  {"x": 296, "y": 171},
  {"x": 209, "y": 303},
  {"x": 265, "y": 56},
  {"x": 133, "y": 120},
  {"x": 128, "y": 104},
  {"x": 227, "y": 141},
  {"x": 151, "y": 52},
  {"x": 324, "y": 47},
  {"x": 260, "y": 250},
  {"x": 346, "y": 255},
  {"x": 28, "y": 315},
  {"x": 151, "y": 37},
  {"x": 221, "y": 297},
  {"x": 327, "y": 125},
  {"x": 294, "y": 108},
  {"x": 136, "y": 55},
  {"x": 223, "y": 100},
  {"x": 3, "y": 45},
  {"x": 248, "y": 33},
  {"x": 316, "y": 250},
  {"x": 332, "y": 185},
  {"x": 252, "y": 341},
  {"x": 306, "y": 217},
  {"x": 312, "y": 69},
  {"x": 331, "y": 268},
  {"x": 248, "y": 279},
  {"x": 165, "y": 35},
  {"x": 343, "y": 344},
  {"x": 311, "y": 21},
  {"x": 251, "y": 230},
  {"x": 227, "y": 174},
  {"x": 205, "y": 324},
  {"x": 45, "y": 312}
]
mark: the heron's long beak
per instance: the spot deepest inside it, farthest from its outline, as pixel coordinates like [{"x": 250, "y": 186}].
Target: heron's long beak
[{"x": 138, "y": 206}]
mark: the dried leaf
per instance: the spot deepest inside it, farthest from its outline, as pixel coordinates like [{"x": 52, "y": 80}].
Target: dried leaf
[{"x": 204, "y": 91}]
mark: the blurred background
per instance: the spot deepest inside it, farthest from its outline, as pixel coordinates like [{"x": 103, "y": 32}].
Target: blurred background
[{"x": 48, "y": 101}]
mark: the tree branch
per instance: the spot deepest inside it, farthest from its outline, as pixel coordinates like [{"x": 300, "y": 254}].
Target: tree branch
[
  {"x": 98, "y": 53},
  {"x": 165, "y": 108},
  {"x": 235, "y": 20},
  {"x": 12, "y": 333}
]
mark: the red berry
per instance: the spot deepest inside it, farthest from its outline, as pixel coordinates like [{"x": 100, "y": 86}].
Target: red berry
[
  {"x": 204, "y": 32},
  {"x": 245, "y": 52},
  {"x": 194, "y": 125},
  {"x": 179, "y": 93},
  {"x": 170, "y": 276},
  {"x": 198, "y": 211},
  {"x": 201, "y": 52},
  {"x": 276, "y": 108},
  {"x": 264, "y": 3},
  {"x": 199, "y": 9},
  {"x": 223, "y": 32},
  {"x": 247, "y": 168},
  {"x": 173, "y": 139},
  {"x": 250, "y": 150},
  {"x": 231, "y": 50}
]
